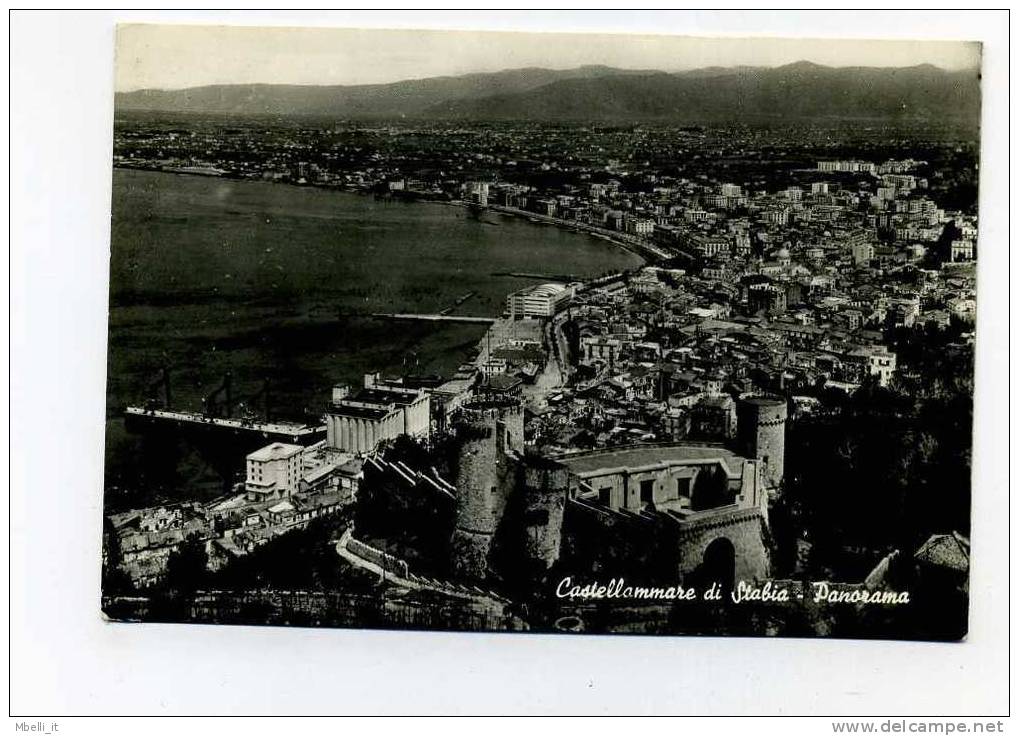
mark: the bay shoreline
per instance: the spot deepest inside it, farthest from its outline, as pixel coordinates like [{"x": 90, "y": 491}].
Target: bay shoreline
[{"x": 646, "y": 251}]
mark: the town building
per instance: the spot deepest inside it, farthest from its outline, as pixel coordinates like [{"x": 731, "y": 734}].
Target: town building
[
  {"x": 863, "y": 254},
  {"x": 543, "y": 301},
  {"x": 962, "y": 250},
  {"x": 875, "y": 360},
  {"x": 639, "y": 226},
  {"x": 479, "y": 193},
  {"x": 274, "y": 471}
]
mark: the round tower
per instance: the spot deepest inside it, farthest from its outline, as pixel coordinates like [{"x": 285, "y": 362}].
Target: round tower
[
  {"x": 489, "y": 431},
  {"x": 760, "y": 433},
  {"x": 546, "y": 486}
]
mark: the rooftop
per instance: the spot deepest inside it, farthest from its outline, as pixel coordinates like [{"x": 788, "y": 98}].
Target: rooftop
[
  {"x": 945, "y": 550},
  {"x": 380, "y": 395},
  {"x": 643, "y": 455},
  {"x": 543, "y": 290},
  {"x": 359, "y": 412},
  {"x": 275, "y": 451}
]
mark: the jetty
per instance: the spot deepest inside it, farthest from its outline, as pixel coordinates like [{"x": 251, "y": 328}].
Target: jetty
[
  {"x": 564, "y": 278},
  {"x": 138, "y": 417},
  {"x": 435, "y": 318}
]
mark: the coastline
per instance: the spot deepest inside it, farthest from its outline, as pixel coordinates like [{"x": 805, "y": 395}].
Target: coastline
[
  {"x": 648, "y": 252},
  {"x": 619, "y": 240},
  {"x": 617, "y": 259}
]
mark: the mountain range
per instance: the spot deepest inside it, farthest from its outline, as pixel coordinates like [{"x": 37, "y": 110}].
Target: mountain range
[{"x": 802, "y": 91}]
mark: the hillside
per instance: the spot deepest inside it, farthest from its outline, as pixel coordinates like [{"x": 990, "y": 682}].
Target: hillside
[
  {"x": 406, "y": 98},
  {"x": 796, "y": 92}
]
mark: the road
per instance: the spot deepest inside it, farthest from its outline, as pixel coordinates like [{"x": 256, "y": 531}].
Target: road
[
  {"x": 640, "y": 246},
  {"x": 557, "y": 371}
]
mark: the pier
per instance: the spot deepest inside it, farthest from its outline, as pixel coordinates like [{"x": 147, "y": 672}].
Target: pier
[
  {"x": 555, "y": 277},
  {"x": 269, "y": 431},
  {"x": 435, "y": 318}
]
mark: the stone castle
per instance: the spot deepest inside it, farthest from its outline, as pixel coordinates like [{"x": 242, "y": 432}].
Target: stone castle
[
  {"x": 698, "y": 511},
  {"x": 509, "y": 506}
]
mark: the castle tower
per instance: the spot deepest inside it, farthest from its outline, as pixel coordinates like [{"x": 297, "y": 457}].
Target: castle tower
[
  {"x": 491, "y": 434},
  {"x": 760, "y": 433},
  {"x": 546, "y": 486}
]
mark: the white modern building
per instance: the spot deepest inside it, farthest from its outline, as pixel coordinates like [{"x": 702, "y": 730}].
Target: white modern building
[
  {"x": 538, "y": 301},
  {"x": 273, "y": 472}
]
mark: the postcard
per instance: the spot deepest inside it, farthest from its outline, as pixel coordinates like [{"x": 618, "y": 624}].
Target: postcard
[{"x": 541, "y": 332}]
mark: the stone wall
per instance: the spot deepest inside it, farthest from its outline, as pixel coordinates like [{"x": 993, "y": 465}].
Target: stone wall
[
  {"x": 621, "y": 489},
  {"x": 745, "y": 529},
  {"x": 315, "y": 608},
  {"x": 546, "y": 487},
  {"x": 607, "y": 543},
  {"x": 385, "y": 561}
]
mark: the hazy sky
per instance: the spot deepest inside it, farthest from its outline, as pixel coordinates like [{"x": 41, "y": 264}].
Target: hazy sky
[{"x": 175, "y": 56}]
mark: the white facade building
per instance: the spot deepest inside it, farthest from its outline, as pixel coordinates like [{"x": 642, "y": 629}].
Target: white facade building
[
  {"x": 273, "y": 471},
  {"x": 538, "y": 301},
  {"x": 877, "y": 360},
  {"x": 636, "y": 226}
]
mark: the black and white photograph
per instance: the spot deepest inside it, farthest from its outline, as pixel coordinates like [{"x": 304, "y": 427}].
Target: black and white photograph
[
  {"x": 357, "y": 353},
  {"x": 601, "y": 345}
]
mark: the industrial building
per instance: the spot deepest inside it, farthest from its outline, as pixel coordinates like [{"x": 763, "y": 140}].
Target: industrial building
[{"x": 378, "y": 412}]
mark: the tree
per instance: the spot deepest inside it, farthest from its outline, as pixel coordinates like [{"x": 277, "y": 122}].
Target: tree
[
  {"x": 114, "y": 579},
  {"x": 187, "y": 567}
]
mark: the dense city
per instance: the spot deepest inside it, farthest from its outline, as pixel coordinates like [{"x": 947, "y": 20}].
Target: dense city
[{"x": 779, "y": 398}]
